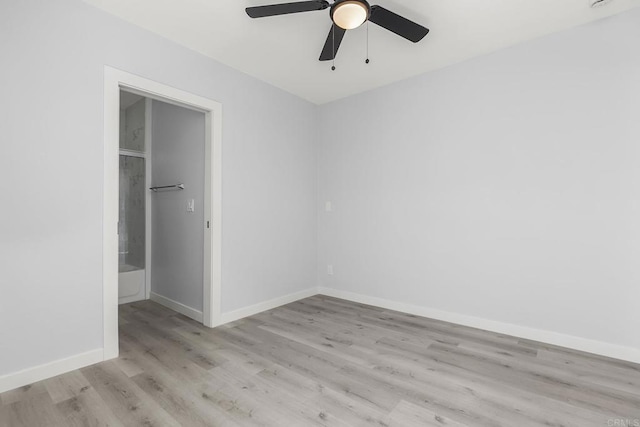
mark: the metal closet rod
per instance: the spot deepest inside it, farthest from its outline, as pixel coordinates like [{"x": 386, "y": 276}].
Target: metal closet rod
[{"x": 167, "y": 187}]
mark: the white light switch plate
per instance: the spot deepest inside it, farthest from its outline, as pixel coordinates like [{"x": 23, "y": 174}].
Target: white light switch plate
[{"x": 191, "y": 205}]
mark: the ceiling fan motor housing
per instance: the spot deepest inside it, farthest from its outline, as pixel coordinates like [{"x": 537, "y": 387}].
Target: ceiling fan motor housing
[{"x": 348, "y": 8}]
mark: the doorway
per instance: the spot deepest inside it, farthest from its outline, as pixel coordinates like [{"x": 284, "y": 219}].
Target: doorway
[{"x": 125, "y": 168}]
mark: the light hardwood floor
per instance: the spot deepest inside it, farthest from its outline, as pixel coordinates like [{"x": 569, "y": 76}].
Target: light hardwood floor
[{"x": 325, "y": 361}]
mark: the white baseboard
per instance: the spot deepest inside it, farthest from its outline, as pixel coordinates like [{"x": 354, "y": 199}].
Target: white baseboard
[
  {"x": 177, "y": 306},
  {"x": 240, "y": 313},
  {"x": 48, "y": 370},
  {"x": 129, "y": 300},
  {"x": 58, "y": 367},
  {"x": 569, "y": 341}
]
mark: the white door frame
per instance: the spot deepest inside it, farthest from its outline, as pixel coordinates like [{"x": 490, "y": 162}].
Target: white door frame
[{"x": 114, "y": 80}]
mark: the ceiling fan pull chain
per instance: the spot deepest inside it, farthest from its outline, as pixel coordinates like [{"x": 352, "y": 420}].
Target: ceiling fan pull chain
[
  {"x": 333, "y": 37},
  {"x": 367, "y": 60}
]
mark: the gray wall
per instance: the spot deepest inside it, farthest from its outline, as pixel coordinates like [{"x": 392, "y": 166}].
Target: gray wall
[
  {"x": 51, "y": 173},
  {"x": 506, "y": 187},
  {"x": 177, "y": 261}
]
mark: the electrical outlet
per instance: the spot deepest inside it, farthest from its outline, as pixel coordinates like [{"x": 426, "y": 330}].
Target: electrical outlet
[
  {"x": 328, "y": 207},
  {"x": 330, "y": 270}
]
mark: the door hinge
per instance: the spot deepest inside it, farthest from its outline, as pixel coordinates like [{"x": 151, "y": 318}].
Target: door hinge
[{"x": 207, "y": 224}]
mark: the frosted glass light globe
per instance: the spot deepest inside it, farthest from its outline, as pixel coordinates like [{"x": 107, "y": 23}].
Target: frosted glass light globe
[{"x": 349, "y": 14}]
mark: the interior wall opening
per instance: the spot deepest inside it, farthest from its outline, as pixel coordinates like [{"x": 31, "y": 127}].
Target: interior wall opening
[{"x": 161, "y": 207}]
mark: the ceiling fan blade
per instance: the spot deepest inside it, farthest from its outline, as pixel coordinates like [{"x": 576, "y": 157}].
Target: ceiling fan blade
[
  {"x": 397, "y": 24},
  {"x": 285, "y": 8},
  {"x": 332, "y": 44}
]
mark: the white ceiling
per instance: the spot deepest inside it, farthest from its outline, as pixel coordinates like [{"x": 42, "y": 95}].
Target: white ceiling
[{"x": 284, "y": 50}]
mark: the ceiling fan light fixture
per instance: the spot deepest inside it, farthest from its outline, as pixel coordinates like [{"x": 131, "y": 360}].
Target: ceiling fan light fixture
[{"x": 350, "y": 14}]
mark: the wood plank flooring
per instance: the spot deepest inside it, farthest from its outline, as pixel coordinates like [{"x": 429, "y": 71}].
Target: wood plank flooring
[{"x": 328, "y": 362}]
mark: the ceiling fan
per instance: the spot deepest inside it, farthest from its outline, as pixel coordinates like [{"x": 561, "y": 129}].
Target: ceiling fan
[{"x": 346, "y": 15}]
